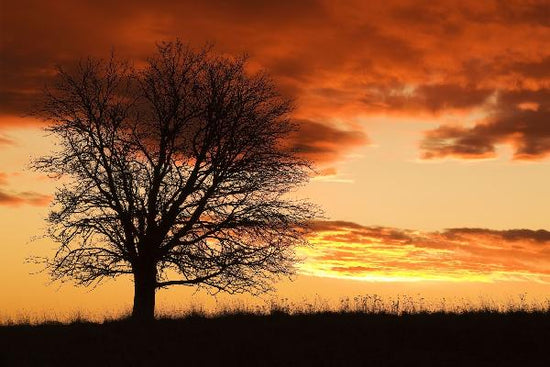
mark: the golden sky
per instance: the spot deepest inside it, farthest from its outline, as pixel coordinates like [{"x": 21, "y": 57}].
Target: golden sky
[{"x": 429, "y": 123}]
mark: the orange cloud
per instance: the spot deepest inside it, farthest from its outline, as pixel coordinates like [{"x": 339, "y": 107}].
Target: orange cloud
[
  {"x": 349, "y": 250},
  {"x": 22, "y": 198},
  {"x": 340, "y": 60}
]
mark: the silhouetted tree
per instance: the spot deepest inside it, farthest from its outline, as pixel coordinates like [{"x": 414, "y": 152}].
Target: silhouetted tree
[{"x": 177, "y": 173}]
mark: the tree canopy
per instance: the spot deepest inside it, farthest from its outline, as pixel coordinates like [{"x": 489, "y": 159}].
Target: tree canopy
[{"x": 178, "y": 173}]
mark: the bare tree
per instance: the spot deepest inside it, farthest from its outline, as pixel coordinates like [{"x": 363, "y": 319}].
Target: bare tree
[{"x": 177, "y": 173}]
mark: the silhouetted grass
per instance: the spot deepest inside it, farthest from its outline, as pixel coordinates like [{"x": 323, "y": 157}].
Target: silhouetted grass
[{"x": 362, "y": 331}]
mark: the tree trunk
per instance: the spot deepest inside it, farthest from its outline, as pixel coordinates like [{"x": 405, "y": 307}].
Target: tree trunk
[{"x": 145, "y": 279}]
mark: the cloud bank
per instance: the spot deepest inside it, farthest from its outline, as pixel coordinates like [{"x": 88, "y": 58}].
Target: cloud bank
[
  {"x": 341, "y": 60},
  {"x": 349, "y": 250}
]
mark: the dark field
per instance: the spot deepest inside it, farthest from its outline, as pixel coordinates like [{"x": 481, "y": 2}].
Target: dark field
[{"x": 322, "y": 339}]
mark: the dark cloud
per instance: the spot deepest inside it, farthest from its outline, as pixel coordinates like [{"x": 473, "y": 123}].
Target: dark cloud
[
  {"x": 425, "y": 97},
  {"x": 520, "y": 119},
  {"x": 456, "y": 141},
  {"x": 446, "y": 96},
  {"x": 322, "y": 142},
  {"x": 511, "y": 12},
  {"x": 537, "y": 69},
  {"x": 346, "y": 249}
]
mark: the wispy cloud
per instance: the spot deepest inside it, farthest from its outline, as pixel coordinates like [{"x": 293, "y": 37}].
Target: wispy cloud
[
  {"x": 17, "y": 198},
  {"x": 349, "y": 250},
  {"x": 5, "y": 141}
]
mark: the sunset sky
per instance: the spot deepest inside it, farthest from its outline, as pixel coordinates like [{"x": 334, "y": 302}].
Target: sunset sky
[{"x": 429, "y": 122}]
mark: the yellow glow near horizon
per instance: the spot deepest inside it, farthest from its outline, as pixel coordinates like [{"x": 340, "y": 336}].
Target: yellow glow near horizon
[{"x": 386, "y": 255}]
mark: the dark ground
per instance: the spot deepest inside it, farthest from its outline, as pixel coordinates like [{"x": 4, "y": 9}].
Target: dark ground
[{"x": 475, "y": 339}]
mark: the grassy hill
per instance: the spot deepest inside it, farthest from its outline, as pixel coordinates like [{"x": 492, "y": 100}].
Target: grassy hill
[{"x": 478, "y": 338}]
